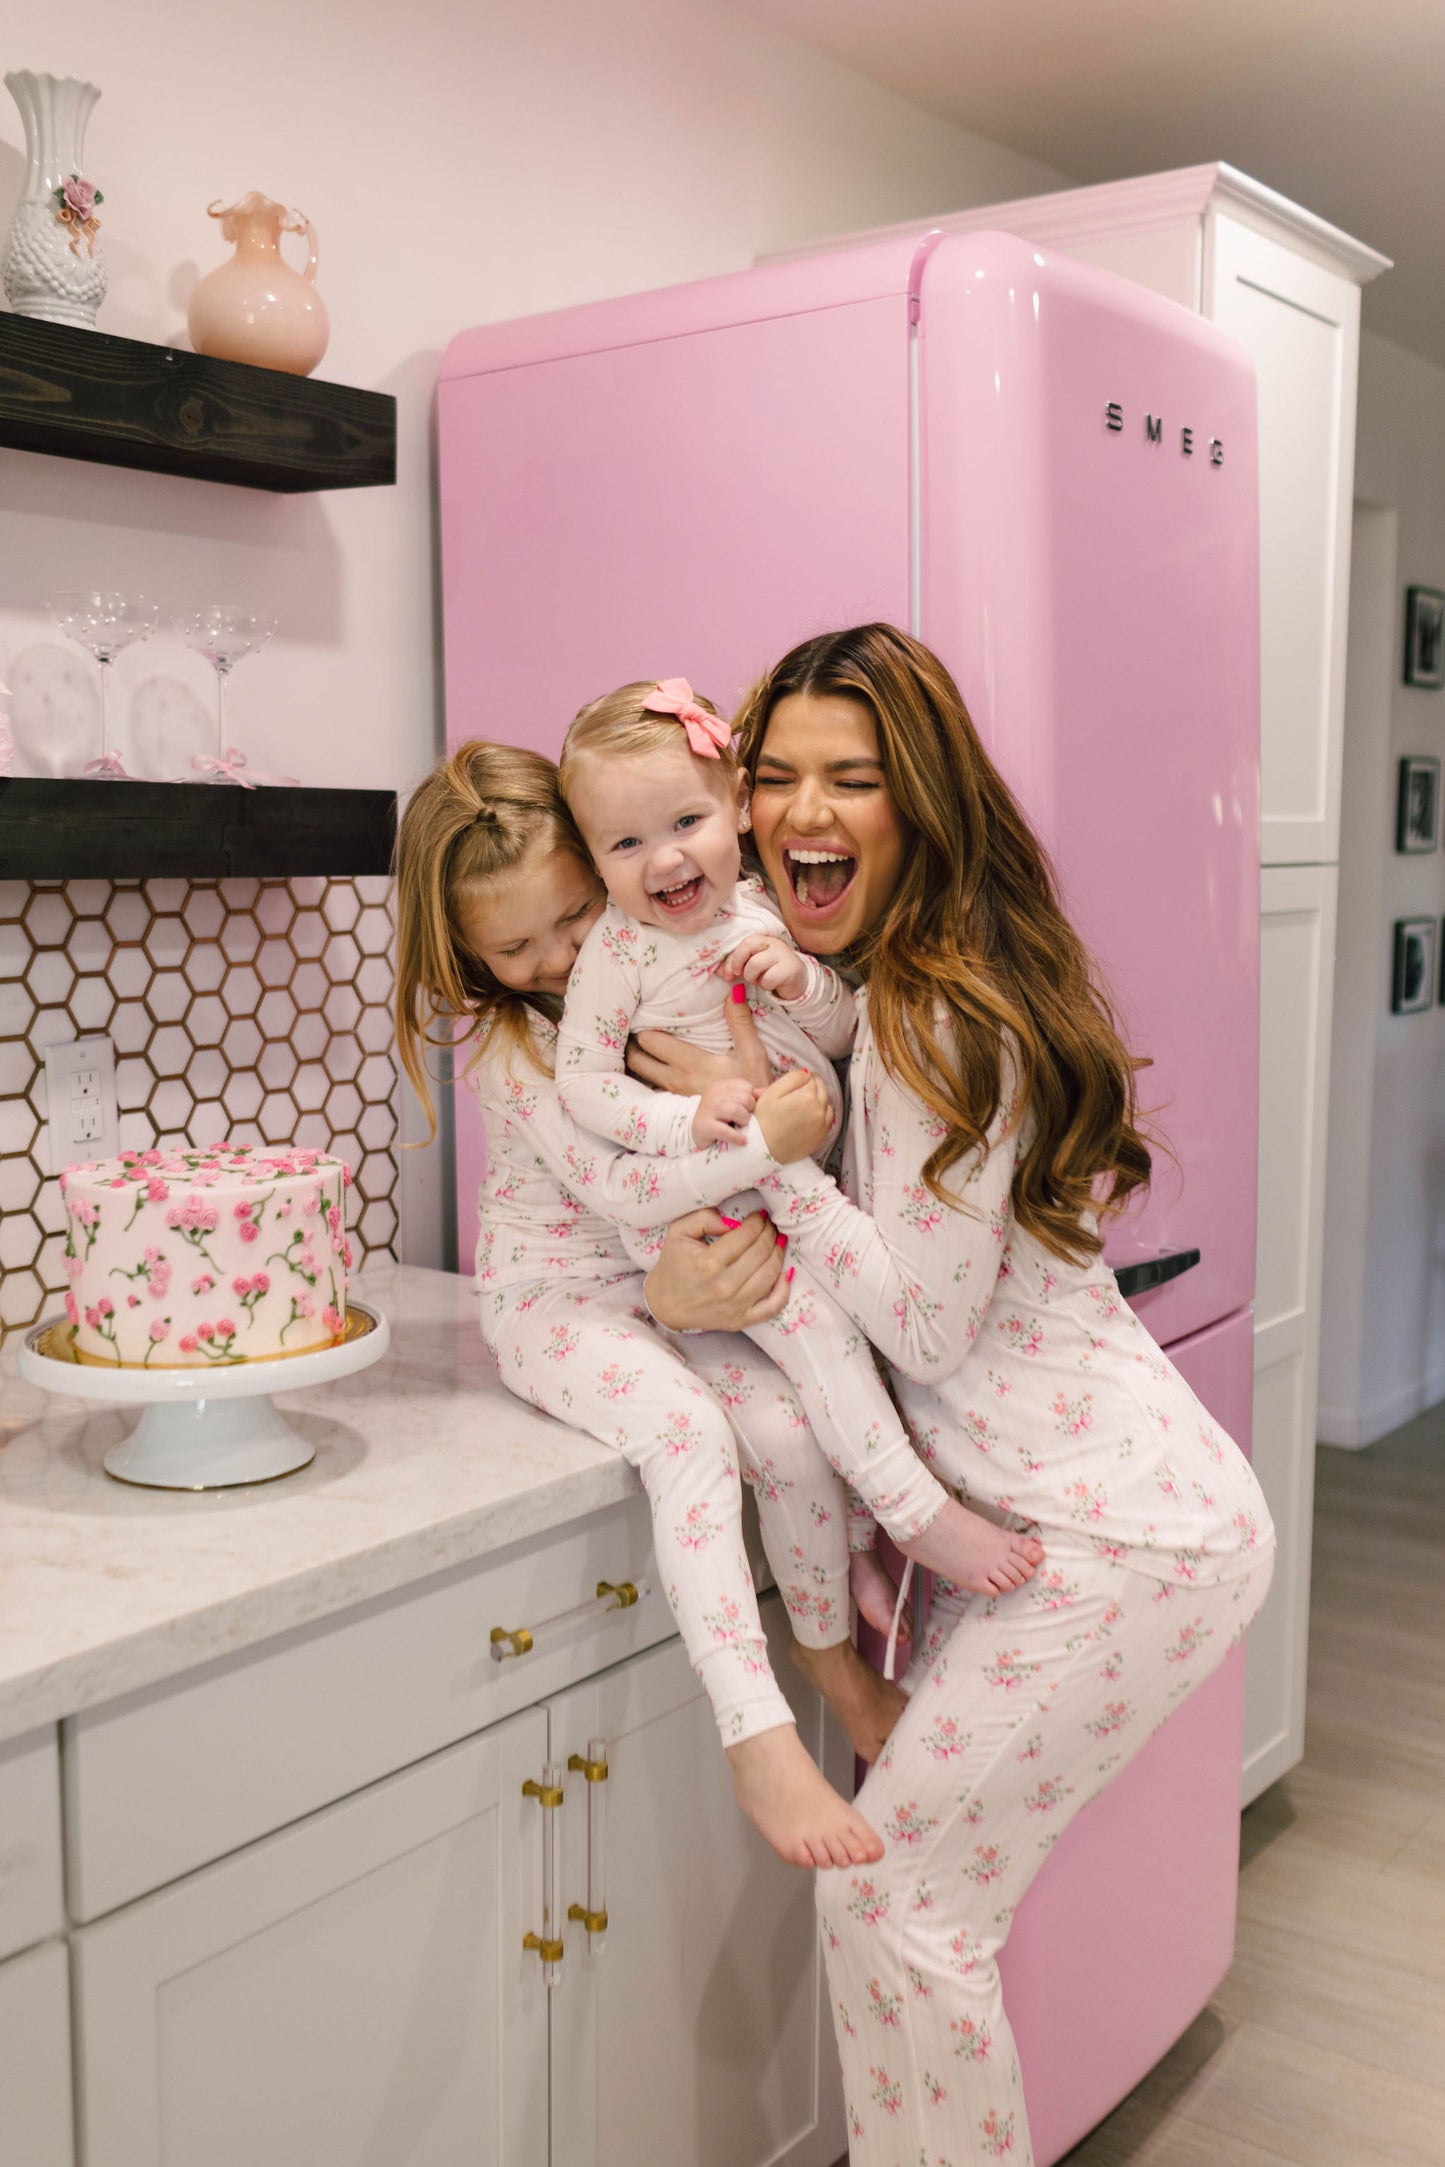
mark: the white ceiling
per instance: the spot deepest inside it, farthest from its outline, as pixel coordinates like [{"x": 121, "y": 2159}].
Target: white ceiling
[{"x": 1339, "y": 104}]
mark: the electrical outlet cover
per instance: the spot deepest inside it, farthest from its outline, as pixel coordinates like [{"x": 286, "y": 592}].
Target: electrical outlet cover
[{"x": 82, "y": 1117}]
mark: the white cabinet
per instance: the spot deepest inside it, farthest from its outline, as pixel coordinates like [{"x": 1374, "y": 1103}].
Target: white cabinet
[
  {"x": 353, "y": 1990},
  {"x": 698, "y": 2032},
  {"x": 35, "y": 2126}
]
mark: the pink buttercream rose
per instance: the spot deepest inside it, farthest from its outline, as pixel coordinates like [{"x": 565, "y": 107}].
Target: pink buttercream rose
[
  {"x": 160, "y": 1326},
  {"x": 106, "y": 1306},
  {"x": 261, "y": 1284},
  {"x": 187, "y": 1343},
  {"x": 132, "y": 1301},
  {"x": 226, "y": 1328},
  {"x": 157, "y": 1191},
  {"x": 74, "y": 1266},
  {"x": 203, "y": 1285},
  {"x": 333, "y": 1320},
  {"x": 242, "y": 1211},
  {"x": 72, "y": 1307},
  {"x": 92, "y": 1318},
  {"x": 249, "y": 1230},
  {"x": 241, "y": 1286}
]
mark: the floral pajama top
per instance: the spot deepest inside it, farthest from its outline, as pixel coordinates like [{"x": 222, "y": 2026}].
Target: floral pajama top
[
  {"x": 553, "y": 1196},
  {"x": 630, "y": 977},
  {"x": 1071, "y": 1416}
]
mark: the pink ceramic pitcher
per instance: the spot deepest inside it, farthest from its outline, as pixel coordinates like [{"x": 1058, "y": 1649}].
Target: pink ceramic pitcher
[{"x": 256, "y": 308}]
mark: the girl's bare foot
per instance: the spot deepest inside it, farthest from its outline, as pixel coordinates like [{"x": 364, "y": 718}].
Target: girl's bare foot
[
  {"x": 872, "y": 1588},
  {"x": 866, "y": 1705},
  {"x": 974, "y": 1553},
  {"x": 791, "y": 1803}
]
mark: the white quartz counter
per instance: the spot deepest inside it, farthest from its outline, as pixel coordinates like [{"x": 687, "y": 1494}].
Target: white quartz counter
[{"x": 422, "y": 1462}]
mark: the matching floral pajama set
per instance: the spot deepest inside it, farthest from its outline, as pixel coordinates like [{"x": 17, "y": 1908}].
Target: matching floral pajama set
[
  {"x": 1029, "y": 1390},
  {"x": 1036, "y": 1395}
]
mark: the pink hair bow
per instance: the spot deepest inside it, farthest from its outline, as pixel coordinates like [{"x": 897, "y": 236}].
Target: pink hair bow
[{"x": 706, "y": 734}]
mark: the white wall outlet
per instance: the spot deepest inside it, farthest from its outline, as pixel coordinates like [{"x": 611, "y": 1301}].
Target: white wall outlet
[{"x": 83, "y": 1120}]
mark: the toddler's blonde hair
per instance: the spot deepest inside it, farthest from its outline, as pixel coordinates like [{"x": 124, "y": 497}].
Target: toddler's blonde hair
[
  {"x": 479, "y": 813},
  {"x": 619, "y": 724}
]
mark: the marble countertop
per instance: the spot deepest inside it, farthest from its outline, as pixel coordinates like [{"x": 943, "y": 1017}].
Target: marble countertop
[{"x": 422, "y": 1462}]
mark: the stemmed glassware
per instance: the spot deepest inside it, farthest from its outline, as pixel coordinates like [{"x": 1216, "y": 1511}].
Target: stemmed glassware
[
  {"x": 104, "y": 624},
  {"x": 225, "y": 633}
]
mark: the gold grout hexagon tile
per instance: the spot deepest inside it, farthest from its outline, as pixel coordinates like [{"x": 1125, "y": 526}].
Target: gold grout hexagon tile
[{"x": 259, "y": 1010}]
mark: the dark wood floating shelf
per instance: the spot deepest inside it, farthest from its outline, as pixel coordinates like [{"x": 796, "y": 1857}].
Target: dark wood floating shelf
[
  {"x": 68, "y": 830},
  {"x": 86, "y": 395}
]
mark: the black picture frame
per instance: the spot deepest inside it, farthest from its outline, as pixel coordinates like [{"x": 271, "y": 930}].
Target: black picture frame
[
  {"x": 1425, "y": 637},
  {"x": 1417, "y": 805},
  {"x": 1412, "y": 987}
]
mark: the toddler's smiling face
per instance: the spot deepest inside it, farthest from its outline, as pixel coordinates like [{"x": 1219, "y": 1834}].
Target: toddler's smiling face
[{"x": 663, "y": 833}]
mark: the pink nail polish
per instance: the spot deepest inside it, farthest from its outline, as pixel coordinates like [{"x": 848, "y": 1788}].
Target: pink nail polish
[
  {"x": 782, "y": 1241},
  {"x": 727, "y": 1221},
  {"x": 740, "y": 991},
  {"x": 788, "y": 1274}
]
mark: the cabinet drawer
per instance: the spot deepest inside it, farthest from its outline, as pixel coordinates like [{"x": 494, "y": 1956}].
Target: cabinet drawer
[
  {"x": 31, "y": 1904},
  {"x": 180, "y": 1774}
]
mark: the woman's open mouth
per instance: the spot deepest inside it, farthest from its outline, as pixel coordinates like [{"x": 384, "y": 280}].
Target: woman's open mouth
[
  {"x": 681, "y": 899},
  {"x": 819, "y": 878}
]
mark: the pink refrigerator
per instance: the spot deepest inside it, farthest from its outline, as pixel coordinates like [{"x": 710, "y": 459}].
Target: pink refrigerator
[{"x": 1050, "y": 475}]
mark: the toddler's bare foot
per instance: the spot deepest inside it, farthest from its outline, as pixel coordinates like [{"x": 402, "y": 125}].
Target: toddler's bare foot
[
  {"x": 871, "y": 1586},
  {"x": 791, "y": 1803},
  {"x": 975, "y": 1554},
  {"x": 866, "y": 1705}
]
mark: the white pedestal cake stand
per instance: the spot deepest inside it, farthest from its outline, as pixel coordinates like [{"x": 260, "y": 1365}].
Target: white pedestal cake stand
[{"x": 205, "y": 1429}]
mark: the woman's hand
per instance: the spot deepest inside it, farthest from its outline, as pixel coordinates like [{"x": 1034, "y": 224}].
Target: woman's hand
[
  {"x": 794, "y": 1116},
  {"x": 723, "y": 1284},
  {"x": 669, "y": 1064}
]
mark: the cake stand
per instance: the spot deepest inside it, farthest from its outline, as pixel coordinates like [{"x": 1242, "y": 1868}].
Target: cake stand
[{"x": 204, "y": 1429}]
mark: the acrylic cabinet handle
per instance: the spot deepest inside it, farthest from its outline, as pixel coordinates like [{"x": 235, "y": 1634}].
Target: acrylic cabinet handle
[
  {"x": 548, "y": 1944},
  {"x": 518, "y": 1640},
  {"x": 592, "y": 1765},
  {"x": 1154, "y": 1271}
]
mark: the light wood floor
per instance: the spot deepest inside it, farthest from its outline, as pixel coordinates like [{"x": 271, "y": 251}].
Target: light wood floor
[{"x": 1325, "y": 2046}]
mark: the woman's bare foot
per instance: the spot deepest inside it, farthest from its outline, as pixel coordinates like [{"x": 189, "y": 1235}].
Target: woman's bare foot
[
  {"x": 866, "y": 1705},
  {"x": 791, "y": 1803},
  {"x": 872, "y": 1588},
  {"x": 975, "y": 1554}
]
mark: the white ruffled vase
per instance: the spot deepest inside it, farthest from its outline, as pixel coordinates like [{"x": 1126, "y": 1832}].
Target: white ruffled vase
[{"x": 52, "y": 269}]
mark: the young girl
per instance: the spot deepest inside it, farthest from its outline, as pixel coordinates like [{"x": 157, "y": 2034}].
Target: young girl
[
  {"x": 494, "y": 899},
  {"x": 651, "y": 779}
]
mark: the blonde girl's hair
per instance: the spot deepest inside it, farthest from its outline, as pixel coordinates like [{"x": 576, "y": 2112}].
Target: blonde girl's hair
[
  {"x": 974, "y": 944},
  {"x": 479, "y": 813},
  {"x": 619, "y": 724}
]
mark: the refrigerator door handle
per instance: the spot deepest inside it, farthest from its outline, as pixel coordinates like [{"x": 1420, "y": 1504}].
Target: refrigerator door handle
[{"x": 1154, "y": 1271}]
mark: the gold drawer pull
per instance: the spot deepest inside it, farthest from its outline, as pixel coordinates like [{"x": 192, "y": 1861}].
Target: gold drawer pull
[{"x": 508, "y": 1641}]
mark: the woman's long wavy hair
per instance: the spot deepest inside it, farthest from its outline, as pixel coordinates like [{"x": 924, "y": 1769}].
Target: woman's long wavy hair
[
  {"x": 973, "y": 944},
  {"x": 478, "y": 813}
]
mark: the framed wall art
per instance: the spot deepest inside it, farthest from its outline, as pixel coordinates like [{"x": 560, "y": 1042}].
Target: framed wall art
[
  {"x": 1424, "y": 636},
  {"x": 1417, "y": 806},
  {"x": 1413, "y": 987}
]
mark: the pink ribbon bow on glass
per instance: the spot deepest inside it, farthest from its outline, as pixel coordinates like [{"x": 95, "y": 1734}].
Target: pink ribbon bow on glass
[
  {"x": 229, "y": 767},
  {"x": 706, "y": 734}
]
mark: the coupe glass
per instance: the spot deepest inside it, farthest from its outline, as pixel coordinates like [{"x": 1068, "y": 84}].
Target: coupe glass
[
  {"x": 224, "y": 633},
  {"x": 104, "y": 624}
]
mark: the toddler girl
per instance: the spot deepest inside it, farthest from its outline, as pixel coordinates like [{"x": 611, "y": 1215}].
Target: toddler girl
[
  {"x": 650, "y": 777},
  {"x": 494, "y": 898}
]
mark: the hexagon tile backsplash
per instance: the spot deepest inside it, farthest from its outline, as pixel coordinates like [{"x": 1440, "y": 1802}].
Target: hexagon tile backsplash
[{"x": 252, "y": 1009}]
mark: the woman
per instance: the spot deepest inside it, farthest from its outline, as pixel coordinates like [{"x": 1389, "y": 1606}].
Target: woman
[{"x": 992, "y": 1114}]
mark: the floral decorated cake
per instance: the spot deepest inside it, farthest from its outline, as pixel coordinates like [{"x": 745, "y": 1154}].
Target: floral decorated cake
[{"x": 196, "y": 1258}]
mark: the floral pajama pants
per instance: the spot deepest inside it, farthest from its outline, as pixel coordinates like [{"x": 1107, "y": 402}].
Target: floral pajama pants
[
  {"x": 1027, "y": 1705},
  {"x": 590, "y": 1355},
  {"x": 830, "y": 1365}
]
